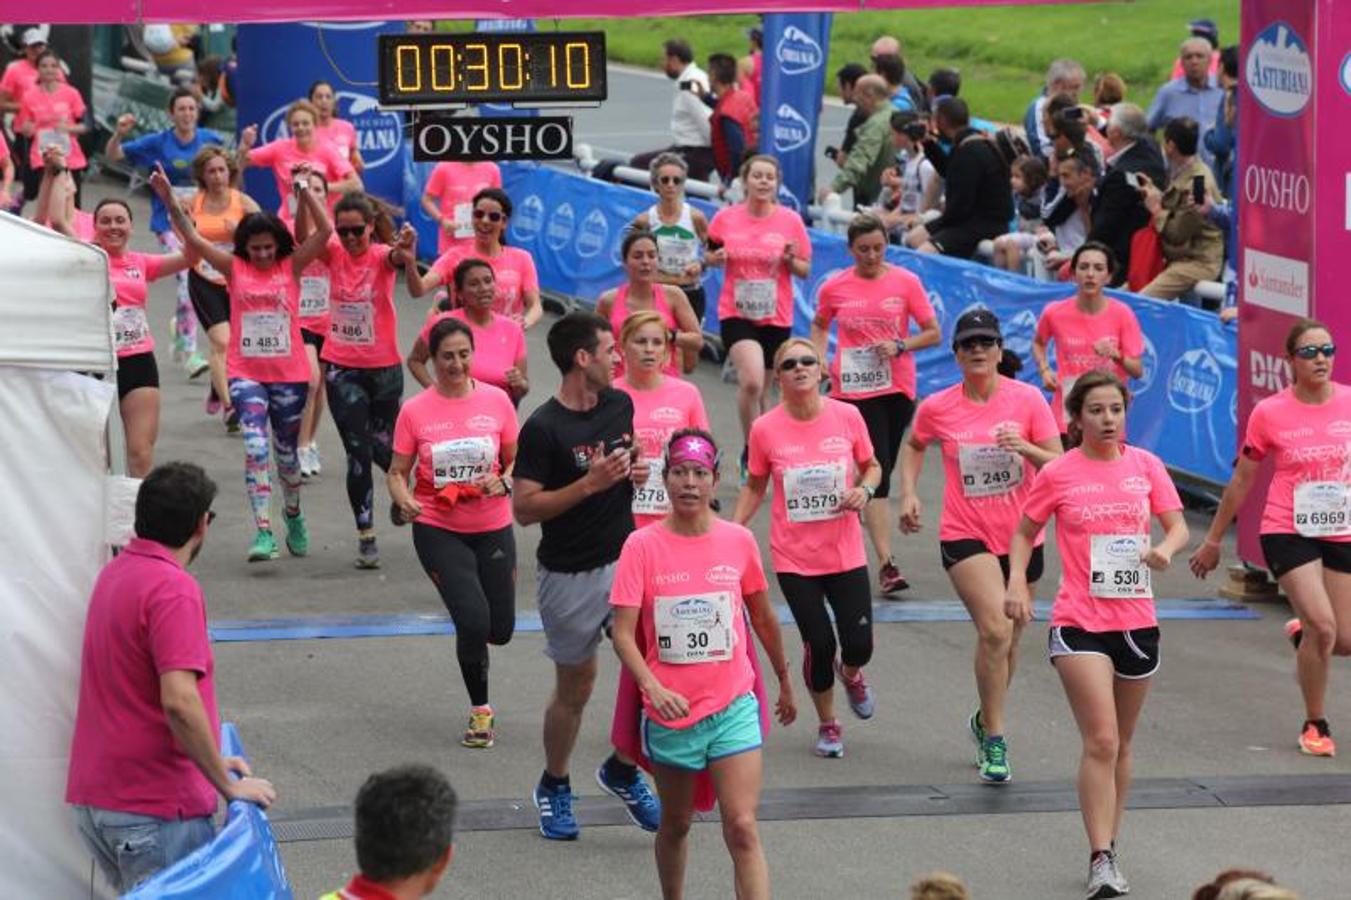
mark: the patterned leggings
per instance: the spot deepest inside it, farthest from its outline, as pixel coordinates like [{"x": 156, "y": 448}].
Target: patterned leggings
[
  {"x": 259, "y": 404},
  {"x": 185, "y": 319},
  {"x": 365, "y": 405}
]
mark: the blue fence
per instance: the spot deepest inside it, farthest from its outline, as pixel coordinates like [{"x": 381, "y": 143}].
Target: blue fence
[
  {"x": 242, "y": 863},
  {"x": 1185, "y": 405}
]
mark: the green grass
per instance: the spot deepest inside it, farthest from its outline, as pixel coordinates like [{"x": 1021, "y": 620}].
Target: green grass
[{"x": 1002, "y": 52}]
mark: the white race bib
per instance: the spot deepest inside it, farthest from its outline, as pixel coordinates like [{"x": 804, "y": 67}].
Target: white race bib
[
  {"x": 756, "y": 298},
  {"x": 650, "y": 499},
  {"x": 863, "y": 369},
  {"x": 462, "y": 220},
  {"x": 53, "y": 137},
  {"x": 353, "y": 323},
  {"x": 813, "y": 493},
  {"x": 266, "y": 334},
  {"x": 130, "y": 327},
  {"x": 675, "y": 254},
  {"x": 461, "y": 460},
  {"x": 1115, "y": 570},
  {"x": 695, "y": 629},
  {"x": 988, "y": 470},
  {"x": 313, "y": 295},
  {"x": 1321, "y": 509}
]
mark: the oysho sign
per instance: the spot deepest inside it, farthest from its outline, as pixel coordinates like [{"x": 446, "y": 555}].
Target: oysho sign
[
  {"x": 1278, "y": 70},
  {"x": 499, "y": 139}
]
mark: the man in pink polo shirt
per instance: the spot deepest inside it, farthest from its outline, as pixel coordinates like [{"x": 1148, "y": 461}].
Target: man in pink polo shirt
[{"x": 145, "y": 762}]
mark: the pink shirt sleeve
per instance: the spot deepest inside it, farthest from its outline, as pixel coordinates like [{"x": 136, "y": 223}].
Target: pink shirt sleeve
[
  {"x": 1044, "y": 496},
  {"x": 825, "y": 303},
  {"x": 1163, "y": 496},
  {"x": 753, "y": 572},
  {"x": 339, "y": 167},
  {"x": 917, "y": 302},
  {"x": 1044, "y": 325},
  {"x": 863, "y": 442},
  {"x": 627, "y": 588},
  {"x": 405, "y": 441},
  {"x": 757, "y": 459},
  {"x": 804, "y": 241},
  {"x": 1044, "y": 427},
  {"x": 715, "y": 227},
  {"x": 529, "y": 277},
  {"x": 151, "y": 266},
  {"x": 511, "y": 428},
  {"x": 77, "y": 108},
  {"x": 699, "y": 414},
  {"x": 922, "y": 428},
  {"x": 495, "y": 178},
  {"x": 176, "y": 628},
  {"x": 265, "y": 155},
  {"x": 444, "y": 267},
  {"x": 437, "y": 182},
  {"x": 1256, "y": 440},
  {"x": 1132, "y": 339}
]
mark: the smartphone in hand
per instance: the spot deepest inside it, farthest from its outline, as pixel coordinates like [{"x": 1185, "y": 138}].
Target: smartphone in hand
[{"x": 1199, "y": 189}]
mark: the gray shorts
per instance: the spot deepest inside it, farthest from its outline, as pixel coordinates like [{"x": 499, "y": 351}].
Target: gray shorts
[{"x": 574, "y": 607}]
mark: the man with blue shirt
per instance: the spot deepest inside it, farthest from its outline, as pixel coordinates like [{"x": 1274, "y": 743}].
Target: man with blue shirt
[
  {"x": 174, "y": 149},
  {"x": 1194, "y": 95}
]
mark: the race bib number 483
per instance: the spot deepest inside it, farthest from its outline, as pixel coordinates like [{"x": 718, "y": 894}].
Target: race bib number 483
[{"x": 265, "y": 334}]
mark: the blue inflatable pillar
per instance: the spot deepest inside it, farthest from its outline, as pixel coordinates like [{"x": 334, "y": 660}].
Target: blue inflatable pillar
[{"x": 792, "y": 84}]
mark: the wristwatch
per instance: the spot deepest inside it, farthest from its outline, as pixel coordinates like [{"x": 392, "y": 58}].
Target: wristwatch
[
  {"x": 900, "y": 347},
  {"x": 869, "y": 490}
]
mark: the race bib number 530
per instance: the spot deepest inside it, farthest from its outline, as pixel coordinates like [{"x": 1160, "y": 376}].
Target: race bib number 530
[{"x": 1115, "y": 568}]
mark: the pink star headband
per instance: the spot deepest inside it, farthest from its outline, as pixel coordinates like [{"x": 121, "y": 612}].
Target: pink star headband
[{"x": 692, "y": 448}]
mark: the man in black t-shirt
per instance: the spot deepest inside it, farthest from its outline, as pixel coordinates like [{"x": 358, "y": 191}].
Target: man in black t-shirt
[{"x": 576, "y": 464}]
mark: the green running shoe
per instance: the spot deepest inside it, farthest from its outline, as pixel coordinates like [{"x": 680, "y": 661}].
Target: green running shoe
[
  {"x": 264, "y": 546},
  {"x": 297, "y": 535},
  {"x": 977, "y": 732},
  {"x": 994, "y": 766}
]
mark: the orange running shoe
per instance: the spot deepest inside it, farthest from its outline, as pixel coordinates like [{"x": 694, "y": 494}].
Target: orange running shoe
[{"x": 1316, "y": 740}]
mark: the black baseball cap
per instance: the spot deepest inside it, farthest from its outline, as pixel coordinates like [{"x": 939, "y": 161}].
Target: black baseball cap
[
  {"x": 1205, "y": 28},
  {"x": 977, "y": 323}
]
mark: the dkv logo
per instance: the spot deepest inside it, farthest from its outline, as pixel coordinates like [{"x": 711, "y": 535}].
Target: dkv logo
[
  {"x": 379, "y": 132},
  {"x": 527, "y": 219},
  {"x": 561, "y": 226},
  {"x": 791, "y": 129},
  {"x": 1278, "y": 70},
  {"x": 1194, "y": 382},
  {"x": 594, "y": 235},
  {"x": 1268, "y": 372},
  {"x": 798, "y": 52}
]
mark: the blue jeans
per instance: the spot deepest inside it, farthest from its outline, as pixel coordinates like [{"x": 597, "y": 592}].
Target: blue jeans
[{"x": 131, "y": 847}]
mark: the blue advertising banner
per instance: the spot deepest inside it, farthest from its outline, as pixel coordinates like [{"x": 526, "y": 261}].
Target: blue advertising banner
[
  {"x": 1184, "y": 406},
  {"x": 242, "y": 862},
  {"x": 342, "y": 53},
  {"x": 791, "y": 89}
]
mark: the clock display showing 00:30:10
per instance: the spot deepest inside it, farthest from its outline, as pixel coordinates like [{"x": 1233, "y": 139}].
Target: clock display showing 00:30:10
[{"x": 431, "y": 69}]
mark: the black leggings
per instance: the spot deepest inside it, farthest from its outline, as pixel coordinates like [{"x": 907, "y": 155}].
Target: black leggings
[
  {"x": 850, "y": 597},
  {"x": 476, "y": 575},
  {"x": 886, "y": 416},
  {"x": 365, "y": 405}
]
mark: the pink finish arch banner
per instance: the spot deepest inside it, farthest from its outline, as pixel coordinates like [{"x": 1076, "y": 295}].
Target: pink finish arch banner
[{"x": 131, "y": 11}]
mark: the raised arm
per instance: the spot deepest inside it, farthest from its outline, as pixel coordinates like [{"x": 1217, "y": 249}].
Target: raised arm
[
  {"x": 317, "y": 240},
  {"x": 194, "y": 245}
]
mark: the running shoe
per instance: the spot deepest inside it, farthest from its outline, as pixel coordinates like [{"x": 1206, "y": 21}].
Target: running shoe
[
  {"x": 480, "y": 733},
  {"x": 306, "y": 466},
  {"x": 1294, "y": 630},
  {"x": 368, "y": 554},
  {"x": 642, "y": 806},
  {"x": 860, "y": 693},
  {"x": 556, "y": 820},
  {"x": 232, "y": 421},
  {"x": 977, "y": 733},
  {"x": 264, "y": 546},
  {"x": 1316, "y": 739},
  {"x": 196, "y": 366},
  {"x": 297, "y": 535},
  {"x": 315, "y": 463},
  {"x": 890, "y": 580},
  {"x": 1105, "y": 878},
  {"x": 213, "y": 405},
  {"x": 829, "y": 740},
  {"x": 994, "y": 764}
]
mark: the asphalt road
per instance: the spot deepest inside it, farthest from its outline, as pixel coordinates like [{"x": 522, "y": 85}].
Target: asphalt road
[{"x": 1220, "y": 783}]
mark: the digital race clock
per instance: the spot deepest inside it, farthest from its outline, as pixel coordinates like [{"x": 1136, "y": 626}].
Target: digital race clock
[{"x": 536, "y": 67}]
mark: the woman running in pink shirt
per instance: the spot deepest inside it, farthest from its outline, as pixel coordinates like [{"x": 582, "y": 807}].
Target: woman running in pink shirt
[{"x": 642, "y": 292}]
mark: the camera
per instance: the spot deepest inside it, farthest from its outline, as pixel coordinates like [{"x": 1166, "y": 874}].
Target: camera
[{"x": 831, "y": 151}]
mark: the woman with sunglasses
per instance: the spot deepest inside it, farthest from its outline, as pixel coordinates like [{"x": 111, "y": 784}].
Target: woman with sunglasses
[
  {"x": 680, "y": 229},
  {"x": 874, "y": 304},
  {"x": 995, "y": 433},
  {"x": 363, "y": 378},
  {"x": 513, "y": 268},
  {"x": 448, "y": 200},
  {"x": 763, "y": 246},
  {"x": 1104, "y": 635},
  {"x": 1091, "y": 330},
  {"x": 1306, "y": 522},
  {"x": 662, "y": 405},
  {"x": 685, "y": 641},
  {"x": 499, "y": 342},
  {"x": 265, "y": 367},
  {"x": 461, "y": 435},
  {"x": 316, "y": 289},
  {"x": 644, "y": 293},
  {"x": 820, "y": 458},
  {"x": 285, "y": 156}
]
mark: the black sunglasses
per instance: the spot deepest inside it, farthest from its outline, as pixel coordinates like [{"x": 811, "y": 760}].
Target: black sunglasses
[
  {"x": 491, "y": 216},
  {"x": 351, "y": 231},
  {"x": 1313, "y": 350},
  {"x": 971, "y": 343},
  {"x": 793, "y": 362},
  {"x": 670, "y": 179}
]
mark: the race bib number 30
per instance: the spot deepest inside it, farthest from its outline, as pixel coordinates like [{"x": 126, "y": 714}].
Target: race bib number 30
[
  {"x": 1115, "y": 570},
  {"x": 1321, "y": 509},
  {"x": 650, "y": 499},
  {"x": 696, "y": 629},
  {"x": 353, "y": 323},
  {"x": 988, "y": 470},
  {"x": 863, "y": 370},
  {"x": 756, "y": 298},
  {"x": 813, "y": 493},
  {"x": 130, "y": 327},
  {"x": 460, "y": 461},
  {"x": 265, "y": 334}
]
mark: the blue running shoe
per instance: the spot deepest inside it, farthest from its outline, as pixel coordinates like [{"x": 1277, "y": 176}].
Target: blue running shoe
[
  {"x": 556, "y": 821},
  {"x": 642, "y": 806}
]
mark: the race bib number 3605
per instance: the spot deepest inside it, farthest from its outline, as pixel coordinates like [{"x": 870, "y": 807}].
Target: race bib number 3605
[
  {"x": 694, "y": 629},
  {"x": 862, "y": 370}
]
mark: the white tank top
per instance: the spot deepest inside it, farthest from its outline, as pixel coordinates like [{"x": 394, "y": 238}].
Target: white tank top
[{"x": 677, "y": 245}]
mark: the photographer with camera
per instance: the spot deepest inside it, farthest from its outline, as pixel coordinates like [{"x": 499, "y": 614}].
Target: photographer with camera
[
  {"x": 691, "y": 133},
  {"x": 1193, "y": 247},
  {"x": 872, "y": 153}
]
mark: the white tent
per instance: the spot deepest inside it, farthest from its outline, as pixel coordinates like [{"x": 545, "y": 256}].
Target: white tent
[{"x": 55, "y": 491}]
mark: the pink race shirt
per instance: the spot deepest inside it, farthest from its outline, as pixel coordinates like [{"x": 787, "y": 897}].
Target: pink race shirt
[
  {"x": 812, "y": 464},
  {"x": 46, "y": 111},
  {"x": 497, "y": 347},
  {"x": 453, "y": 185},
  {"x": 363, "y": 329},
  {"x": 147, "y": 617},
  {"x": 984, "y": 487},
  {"x": 1312, "y": 448},
  {"x": 453, "y": 440},
  {"x": 513, "y": 273},
  {"x": 1102, "y": 525},
  {"x": 281, "y": 157},
  {"x": 131, "y": 274},
  {"x": 1075, "y": 332},
  {"x": 657, "y": 414},
  {"x": 20, "y": 75},
  {"x": 870, "y": 311},
  {"x": 339, "y": 134},
  {"x": 756, "y": 285},
  {"x": 619, "y": 311},
  {"x": 690, "y": 592},
  {"x": 265, "y": 344}
]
